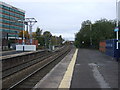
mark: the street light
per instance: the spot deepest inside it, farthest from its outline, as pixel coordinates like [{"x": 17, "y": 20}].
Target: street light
[
  {"x": 117, "y": 22},
  {"x": 90, "y": 33},
  {"x": 23, "y": 21}
]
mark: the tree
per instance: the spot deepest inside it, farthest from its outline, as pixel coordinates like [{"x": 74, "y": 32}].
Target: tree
[
  {"x": 26, "y": 34},
  {"x": 41, "y": 40},
  {"x": 34, "y": 35},
  {"x": 46, "y": 39},
  {"x": 101, "y": 30},
  {"x": 38, "y": 32},
  {"x": 56, "y": 41},
  {"x": 60, "y": 40},
  {"x": 47, "y": 36}
]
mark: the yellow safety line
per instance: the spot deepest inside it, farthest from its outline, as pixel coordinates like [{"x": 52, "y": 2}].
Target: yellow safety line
[{"x": 65, "y": 83}]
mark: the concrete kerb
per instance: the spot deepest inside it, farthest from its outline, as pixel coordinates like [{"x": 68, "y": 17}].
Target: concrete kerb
[{"x": 66, "y": 81}]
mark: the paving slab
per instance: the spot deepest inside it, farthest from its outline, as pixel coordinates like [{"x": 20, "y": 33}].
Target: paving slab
[{"x": 54, "y": 77}]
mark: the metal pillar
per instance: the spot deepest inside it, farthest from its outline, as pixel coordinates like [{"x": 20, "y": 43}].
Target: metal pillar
[
  {"x": 31, "y": 22},
  {"x": 90, "y": 34},
  {"x": 23, "y": 22},
  {"x": 117, "y": 22},
  {"x": 23, "y": 33},
  {"x": 30, "y": 34},
  {"x": 27, "y": 37}
]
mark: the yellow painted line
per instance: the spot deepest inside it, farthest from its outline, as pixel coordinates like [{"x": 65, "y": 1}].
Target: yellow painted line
[{"x": 65, "y": 83}]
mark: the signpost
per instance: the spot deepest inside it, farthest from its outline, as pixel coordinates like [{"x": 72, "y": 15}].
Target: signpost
[
  {"x": 117, "y": 22},
  {"x": 117, "y": 26},
  {"x": 116, "y": 29}
]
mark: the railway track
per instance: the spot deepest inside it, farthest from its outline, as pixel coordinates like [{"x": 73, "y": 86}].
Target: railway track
[
  {"x": 15, "y": 69},
  {"x": 39, "y": 70}
]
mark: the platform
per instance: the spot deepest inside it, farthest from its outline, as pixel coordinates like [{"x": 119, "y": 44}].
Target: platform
[
  {"x": 94, "y": 69},
  {"x": 55, "y": 76},
  {"x": 82, "y": 68},
  {"x": 13, "y": 53}
]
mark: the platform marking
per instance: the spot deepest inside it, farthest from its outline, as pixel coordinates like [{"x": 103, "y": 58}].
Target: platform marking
[
  {"x": 97, "y": 75},
  {"x": 65, "y": 83}
]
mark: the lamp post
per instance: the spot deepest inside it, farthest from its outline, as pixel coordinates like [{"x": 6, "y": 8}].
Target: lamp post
[
  {"x": 23, "y": 42},
  {"x": 117, "y": 22},
  {"x": 23, "y": 34},
  {"x": 23, "y": 21},
  {"x": 90, "y": 33}
]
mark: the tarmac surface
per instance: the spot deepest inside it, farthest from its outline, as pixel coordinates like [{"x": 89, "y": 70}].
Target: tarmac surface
[{"x": 94, "y": 69}]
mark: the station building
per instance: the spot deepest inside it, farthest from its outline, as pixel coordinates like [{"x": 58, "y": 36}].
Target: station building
[{"x": 10, "y": 24}]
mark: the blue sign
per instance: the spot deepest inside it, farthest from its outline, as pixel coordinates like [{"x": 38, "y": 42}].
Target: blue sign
[{"x": 116, "y": 29}]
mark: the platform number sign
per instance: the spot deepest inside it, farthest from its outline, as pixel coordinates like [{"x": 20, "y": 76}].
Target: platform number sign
[{"x": 116, "y": 29}]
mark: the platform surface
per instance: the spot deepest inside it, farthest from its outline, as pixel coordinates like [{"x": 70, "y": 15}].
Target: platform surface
[
  {"x": 82, "y": 68},
  {"x": 13, "y": 53},
  {"x": 94, "y": 69},
  {"x": 55, "y": 76}
]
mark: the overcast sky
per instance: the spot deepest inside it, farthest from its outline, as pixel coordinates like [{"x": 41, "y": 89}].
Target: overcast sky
[{"x": 64, "y": 17}]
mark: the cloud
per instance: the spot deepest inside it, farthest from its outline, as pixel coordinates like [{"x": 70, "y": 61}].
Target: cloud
[
  {"x": 64, "y": 17},
  {"x": 59, "y": 1},
  {"x": 66, "y": 36}
]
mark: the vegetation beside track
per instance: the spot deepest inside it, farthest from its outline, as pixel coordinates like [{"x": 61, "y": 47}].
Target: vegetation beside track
[{"x": 100, "y": 30}]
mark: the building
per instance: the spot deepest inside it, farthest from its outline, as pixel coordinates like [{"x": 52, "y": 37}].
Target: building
[{"x": 10, "y": 24}]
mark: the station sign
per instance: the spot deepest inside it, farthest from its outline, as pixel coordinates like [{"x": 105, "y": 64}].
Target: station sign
[{"x": 116, "y": 29}]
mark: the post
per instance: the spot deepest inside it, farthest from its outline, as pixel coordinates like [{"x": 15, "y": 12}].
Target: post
[
  {"x": 23, "y": 36},
  {"x": 117, "y": 25},
  {"x": 30, "y": 34},
  {"x": 90, "y": 34},
  {"x": 23, "y": 33},
  {"x": 45, "y": 43},
  {"x": 50, "y": 44},
  {"x": 117, "y": 22},
  {"x": 31, "y": 22}
]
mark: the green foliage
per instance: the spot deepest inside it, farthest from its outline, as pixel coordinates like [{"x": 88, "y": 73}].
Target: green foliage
[
  {"x": 100, "y": 30},
  {"x": 38, "y": 32},
  {"x": 26, "y": 34},
  {"x": 46, "y": 39},
  {"x": 57, "y": 41},
  {"x": 47, "y": 36}
]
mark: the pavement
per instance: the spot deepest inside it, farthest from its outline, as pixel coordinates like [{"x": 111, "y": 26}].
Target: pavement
[
  {"x": 94, "y": 69},
  {"x": 55, "y": 76},
  {"x": 83, "y": 68},
  {"x": 4, "y": 53},
  {"x": 11, "y": 52},
  {"x": 14, "y": 53}
]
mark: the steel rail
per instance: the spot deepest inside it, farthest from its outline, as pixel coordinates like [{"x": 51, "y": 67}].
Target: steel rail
[{"x": 30, "y": 75}]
